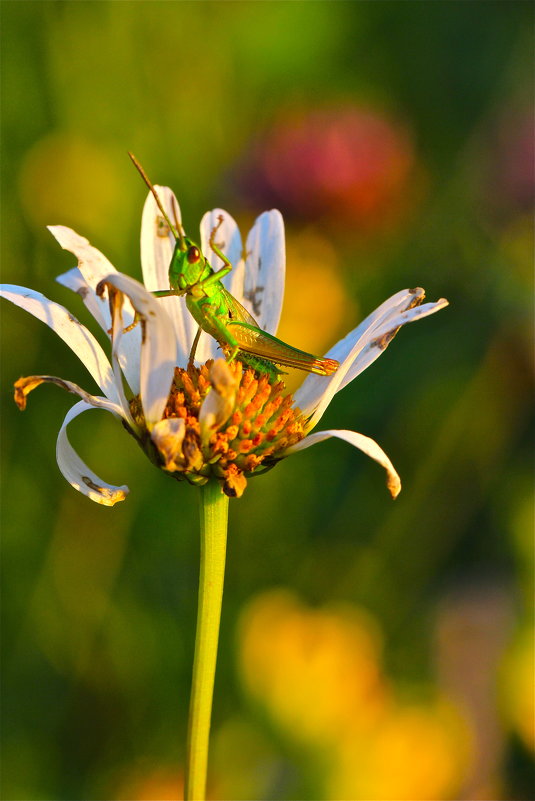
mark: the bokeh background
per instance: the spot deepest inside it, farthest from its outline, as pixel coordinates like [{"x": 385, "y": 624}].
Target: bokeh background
[{"x": 369, "y": 649}]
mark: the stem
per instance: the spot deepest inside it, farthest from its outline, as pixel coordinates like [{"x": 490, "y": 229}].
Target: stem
[{"x": 213, "y": 518}]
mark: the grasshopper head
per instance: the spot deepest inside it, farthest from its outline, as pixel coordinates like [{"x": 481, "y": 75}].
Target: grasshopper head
[{"x": 187, "y": 267}]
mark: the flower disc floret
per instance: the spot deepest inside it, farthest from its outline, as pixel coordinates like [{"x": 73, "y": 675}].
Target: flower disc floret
[{"x": 221, "y": 421}]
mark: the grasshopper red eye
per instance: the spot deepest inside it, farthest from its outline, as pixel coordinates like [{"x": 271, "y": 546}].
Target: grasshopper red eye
[{"x": 193, "y": 254}]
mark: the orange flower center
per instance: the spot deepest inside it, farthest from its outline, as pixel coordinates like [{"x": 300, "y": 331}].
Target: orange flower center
[{"x": 257, "y": 426}]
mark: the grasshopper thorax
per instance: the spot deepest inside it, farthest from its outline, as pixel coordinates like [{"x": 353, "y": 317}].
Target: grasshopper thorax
[{"x": 188, "y": 266}]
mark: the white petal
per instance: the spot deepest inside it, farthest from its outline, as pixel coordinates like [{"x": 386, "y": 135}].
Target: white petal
[
  {"x": 265, "y": 266},
  {"x": 158, "y": 347},
  {"x": 365, "y": 444},
  {"x": 228, "y": 240},
  {"x": 157, "y": 247},
  {"x": 77, "y": 473},
  {"x": 360, "y": 348},
  {"x": 386, "y": 311},
  {"x": 383, "y": 335},
  {"x": 73, "y": 333},
  {"x": 308, "y": 396},
  {"x": 94, "y": 267},
  {"x": 74, "y": 280},
  {"x": 157, "y": 239}
]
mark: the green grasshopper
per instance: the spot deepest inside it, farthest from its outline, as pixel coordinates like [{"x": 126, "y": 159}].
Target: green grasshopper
[{"x": 219, "y": 313}]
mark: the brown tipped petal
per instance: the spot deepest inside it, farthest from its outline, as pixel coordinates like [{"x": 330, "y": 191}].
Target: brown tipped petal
[
  {"x": 365, "y": 444},
  {"x": 362, "y": 346},
  {"x": 77, "y": 473},
  {"x": 25, "y": 385}
]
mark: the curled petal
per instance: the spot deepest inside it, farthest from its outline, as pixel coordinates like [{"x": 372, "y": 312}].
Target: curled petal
[
  {"x": 265, "y": 266},
  {"x": 361, "y": 347},
  {"x": 77, "y": 473},
  {"x": 25, "y": 385},
  {"x": 157, "y": 247},
  {"x": 158, "y": 347},
  {"x": 73, "y": 333},
  {"x": 365, "y": 444}
]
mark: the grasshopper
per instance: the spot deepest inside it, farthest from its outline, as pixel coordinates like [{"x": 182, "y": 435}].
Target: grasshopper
[{"x": 219, "y": 313}]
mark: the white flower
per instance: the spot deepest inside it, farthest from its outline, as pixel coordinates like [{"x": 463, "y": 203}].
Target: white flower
[{"x": 195, "y": 425}]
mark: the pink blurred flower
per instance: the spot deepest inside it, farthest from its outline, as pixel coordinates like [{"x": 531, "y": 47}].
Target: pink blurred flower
[
  {"x": 510, "y": 184},
  {"x": 349, "y": 165}
]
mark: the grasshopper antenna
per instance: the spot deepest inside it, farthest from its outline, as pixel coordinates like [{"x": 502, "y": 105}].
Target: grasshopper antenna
[{"x": 176, "y": 229}]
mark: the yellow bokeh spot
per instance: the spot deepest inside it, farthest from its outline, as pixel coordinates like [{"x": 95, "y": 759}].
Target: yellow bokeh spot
[
  {"x": 318, "y": 673},
  {"x": 317, "y": 311},
  {"x": 147, "y": 782},
  {"x": 314, "y": 668},
  {"x": 518, "y": 687},
  {"x": 68, "y": 180},
  {"x": 416, "y": 753}
]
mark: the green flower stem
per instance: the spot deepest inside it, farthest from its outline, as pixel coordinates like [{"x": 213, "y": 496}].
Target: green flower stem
[{"x": 214, "y": 519}]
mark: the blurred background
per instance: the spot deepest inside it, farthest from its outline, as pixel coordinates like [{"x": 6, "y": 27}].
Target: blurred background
[{"x": 369, "y": 649}]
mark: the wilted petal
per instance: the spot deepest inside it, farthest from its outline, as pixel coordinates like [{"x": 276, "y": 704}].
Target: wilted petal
[
  {"x": 365, "y": 444},
  {"x": 158, "y": 345},
  {"x": 25, "y": 385},
  {"x": 265, "y": 266},
  {"x": 77, "y": 473},
  {"x": 94, "y": 267},
  {"x": 361, "y": 347},
  {"x": 73, "y": 333},
  {"x": 157, "y": 247}
]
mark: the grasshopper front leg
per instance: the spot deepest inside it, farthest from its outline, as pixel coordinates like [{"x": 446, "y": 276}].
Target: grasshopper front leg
[
  {"x": 217, "y": 250},
  {"x": 227, "y": 265}
]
